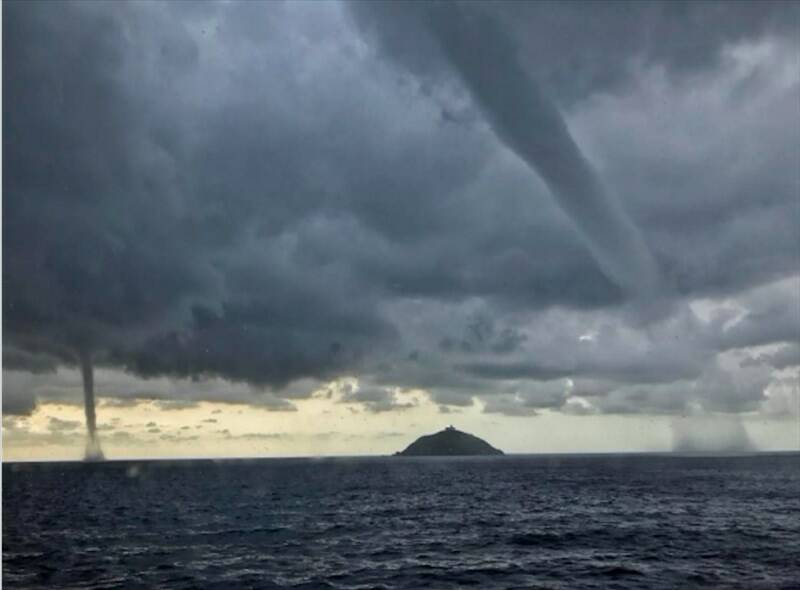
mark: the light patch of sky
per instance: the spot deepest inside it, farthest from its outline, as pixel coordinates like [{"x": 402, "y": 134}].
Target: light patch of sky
[{"x": 324, "y": 426}]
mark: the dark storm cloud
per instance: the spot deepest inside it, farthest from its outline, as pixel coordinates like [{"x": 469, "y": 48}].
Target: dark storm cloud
[
  {"x": 82, "y": 266},
  {"x": 482, "y": 334},
  {"x": 296, "y": 333},
  {"x": 270, "y": 193},
  {"x": 22, "y": 360},
  {"x": 581, "y": 48},
  {"x": 17, "y": 398},
  {"x": 130, "y": 224}
]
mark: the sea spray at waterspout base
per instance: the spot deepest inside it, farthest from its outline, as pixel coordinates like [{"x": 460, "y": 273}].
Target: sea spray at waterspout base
[{"x": 710, "y": 434}]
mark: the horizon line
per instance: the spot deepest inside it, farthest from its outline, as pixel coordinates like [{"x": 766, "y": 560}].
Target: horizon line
[{"x": 393, "y": 456}]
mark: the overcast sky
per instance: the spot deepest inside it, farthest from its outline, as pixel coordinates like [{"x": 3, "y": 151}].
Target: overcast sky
[{"x": 344, "y": 222}]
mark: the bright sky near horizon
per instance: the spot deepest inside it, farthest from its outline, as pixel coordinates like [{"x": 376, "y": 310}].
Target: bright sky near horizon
[{"x": 324, "y": 425}]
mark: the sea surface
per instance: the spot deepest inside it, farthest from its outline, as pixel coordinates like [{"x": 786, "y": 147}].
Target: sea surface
[{"x": 602, "y": 521}]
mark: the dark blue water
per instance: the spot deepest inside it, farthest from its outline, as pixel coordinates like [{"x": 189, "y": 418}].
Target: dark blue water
[{"x": 507, "y": 522}]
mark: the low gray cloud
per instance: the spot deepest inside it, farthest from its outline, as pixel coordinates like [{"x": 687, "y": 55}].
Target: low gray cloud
[
  {"x": 508, "y": 406},
  {"x": 123, "y": 436},
  {"x": 782, "y": 358},
  {"x": 771, "y": 316},
  {"x": 374, "y": 399},
  {"x": 115, "y": 402},
  {"x": 527, "y": 398},
  {"x": 576, "y": 408},
  {"x": 263, "y": 436},
  {"x": 174, "y": 404},
  {"x": 56, "y": 434},
  {"x": 56, "y": 424},
  {"x": 446, "y": 398}
]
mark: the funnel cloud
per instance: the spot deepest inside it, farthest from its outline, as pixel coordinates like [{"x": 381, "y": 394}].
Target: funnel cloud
[
  {"x": 93, "y": 450},
  {"x": 531, "y": 125}
]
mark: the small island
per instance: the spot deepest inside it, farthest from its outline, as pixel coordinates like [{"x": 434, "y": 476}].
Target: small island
[{"x": 448, "y": 442}]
